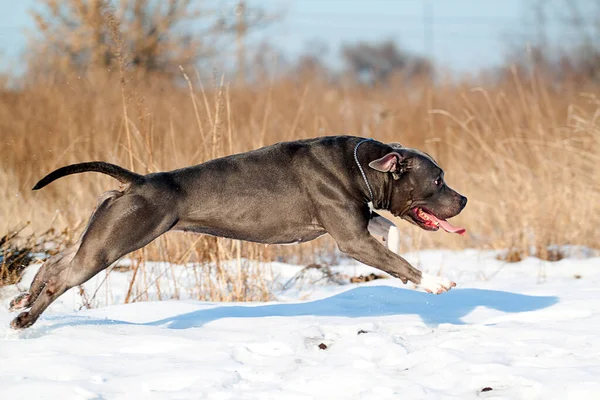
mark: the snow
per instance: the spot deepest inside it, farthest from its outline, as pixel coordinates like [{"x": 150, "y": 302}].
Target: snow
[{"x": 527, "y": 330}]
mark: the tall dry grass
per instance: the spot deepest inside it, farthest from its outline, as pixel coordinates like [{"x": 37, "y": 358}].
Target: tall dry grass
[{"x": 524, "y": 152}]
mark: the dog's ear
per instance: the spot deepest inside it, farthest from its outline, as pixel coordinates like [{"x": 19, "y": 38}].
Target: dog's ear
[
  {"x": 387, "y": 163},
  {"x": 395, "y": 145}
]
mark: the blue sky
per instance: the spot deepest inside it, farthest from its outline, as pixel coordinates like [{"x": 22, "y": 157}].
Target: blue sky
[{"x": 461, "y": 35}]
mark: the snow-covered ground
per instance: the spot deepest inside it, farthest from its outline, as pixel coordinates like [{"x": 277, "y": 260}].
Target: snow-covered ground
[{"x": 528, "y": 330}]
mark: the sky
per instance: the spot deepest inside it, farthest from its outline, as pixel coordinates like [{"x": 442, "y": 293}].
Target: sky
[{"x": 459, "y": 35}]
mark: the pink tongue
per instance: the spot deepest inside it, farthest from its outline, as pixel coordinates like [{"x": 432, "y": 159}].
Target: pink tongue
[{"x": 447, "y": 226}]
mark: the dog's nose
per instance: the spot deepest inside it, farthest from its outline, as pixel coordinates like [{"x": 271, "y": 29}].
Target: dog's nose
[{"x": 463, "y": 201}]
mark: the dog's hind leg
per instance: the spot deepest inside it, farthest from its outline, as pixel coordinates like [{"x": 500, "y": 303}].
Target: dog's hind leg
[
  {"x": 26, "y": 299},
  {"x": 120, "y": 225}
]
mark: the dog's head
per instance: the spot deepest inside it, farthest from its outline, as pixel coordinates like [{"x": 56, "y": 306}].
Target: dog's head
[{"x": 419, "y": 193}]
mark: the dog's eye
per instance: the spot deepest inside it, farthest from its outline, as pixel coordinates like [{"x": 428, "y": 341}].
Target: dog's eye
[{"x": 438, "y": 181}]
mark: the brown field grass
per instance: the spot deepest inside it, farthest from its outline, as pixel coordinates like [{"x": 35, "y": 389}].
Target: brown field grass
[{"x": 524, "y": 152}]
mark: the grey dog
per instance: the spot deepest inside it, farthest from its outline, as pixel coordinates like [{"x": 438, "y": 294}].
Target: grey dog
[{"x": 289, "y": 192}]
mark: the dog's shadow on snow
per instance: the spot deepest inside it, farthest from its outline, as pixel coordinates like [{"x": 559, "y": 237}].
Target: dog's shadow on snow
[
  {"x": 374, "y": 301},
  {"x": 363, "y": 301}
]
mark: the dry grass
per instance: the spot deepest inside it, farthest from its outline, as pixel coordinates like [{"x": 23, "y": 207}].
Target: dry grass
[
  {"x": 523, "y": 151},
  {"x": 14, "y": 257}
]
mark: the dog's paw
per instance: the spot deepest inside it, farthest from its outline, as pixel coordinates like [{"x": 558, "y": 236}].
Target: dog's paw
[
  {"x": 20, "y": 302},
  {"x": 435, "y": 284},
  {"x": 22, "y": 321}
]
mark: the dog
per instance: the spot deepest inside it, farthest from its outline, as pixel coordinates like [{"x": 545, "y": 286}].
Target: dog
[{"x": 289, "y": 192}]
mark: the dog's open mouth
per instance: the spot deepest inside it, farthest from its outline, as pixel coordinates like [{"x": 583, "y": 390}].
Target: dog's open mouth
[{"x": 428, "y": 221}]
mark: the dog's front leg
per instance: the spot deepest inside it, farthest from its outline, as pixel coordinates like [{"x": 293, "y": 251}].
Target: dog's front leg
[
  {"x": 353, "y": 238},
  {"x": 366, "y": 249}
]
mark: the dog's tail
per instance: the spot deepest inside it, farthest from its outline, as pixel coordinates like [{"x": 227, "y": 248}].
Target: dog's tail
[{"x": 121, "y": 174}]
